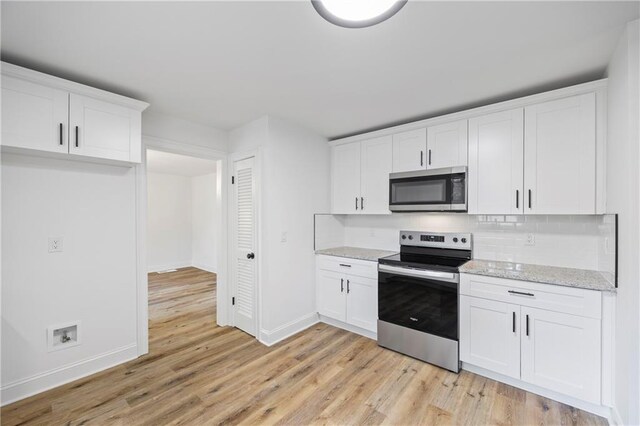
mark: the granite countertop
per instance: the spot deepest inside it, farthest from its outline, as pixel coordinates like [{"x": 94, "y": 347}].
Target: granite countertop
[
  {"x": 568, "y": 277},
  {"x": 356, "y": 253}
]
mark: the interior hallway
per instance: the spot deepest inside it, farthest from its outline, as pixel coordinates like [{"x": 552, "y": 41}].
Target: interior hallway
[{"x": 199, "y": 373}]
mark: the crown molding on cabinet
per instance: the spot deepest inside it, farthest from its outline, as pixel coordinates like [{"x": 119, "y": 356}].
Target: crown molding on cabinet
[
  {"x": 577, "y": 89},
  {"x": 70, "y": 86}
]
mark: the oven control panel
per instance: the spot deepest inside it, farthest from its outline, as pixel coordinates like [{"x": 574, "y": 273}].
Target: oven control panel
[{"x": 453, "y": 240}]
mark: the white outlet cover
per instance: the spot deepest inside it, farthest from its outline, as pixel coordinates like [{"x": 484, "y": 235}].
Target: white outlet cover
[
  {"x": 55, "y": 244},
  {"x": 283, "y": 237},
  {"x": 531, "y": 240}
]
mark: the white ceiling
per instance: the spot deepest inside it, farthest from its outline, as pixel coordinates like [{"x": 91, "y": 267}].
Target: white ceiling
[
  {"x": 225, "y": 63},
  {"x": 181, "y": 165}
]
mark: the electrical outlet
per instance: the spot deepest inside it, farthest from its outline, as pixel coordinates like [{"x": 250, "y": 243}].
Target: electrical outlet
[
  {"x": 531, "y": 240},
  {"x": 55, "y": 244},
  {"x": 283, "y": 237}
]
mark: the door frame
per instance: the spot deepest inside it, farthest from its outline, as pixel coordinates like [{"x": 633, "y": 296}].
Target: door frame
[
  {"x": 257, "y": 173},
  {"x": 142, "y": 293}
]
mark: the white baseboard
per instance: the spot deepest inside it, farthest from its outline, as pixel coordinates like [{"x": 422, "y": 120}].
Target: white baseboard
[
  {"x": 38, "y": 383},
  {"x": 164, "y": 267},
  {"x": 205, "y": 267},
  {"x": 615, "y": 418},
  {"x": 349, "y": 327},
  {"x": 271, "y": 337},
  {"x": 599, "y": 410}
]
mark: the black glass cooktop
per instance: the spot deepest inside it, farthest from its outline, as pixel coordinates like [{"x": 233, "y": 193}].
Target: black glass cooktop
[{"x": 446, "y": 260}]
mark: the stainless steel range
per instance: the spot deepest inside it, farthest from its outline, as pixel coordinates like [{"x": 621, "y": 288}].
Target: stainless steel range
[{"x": 418, "y": 296}]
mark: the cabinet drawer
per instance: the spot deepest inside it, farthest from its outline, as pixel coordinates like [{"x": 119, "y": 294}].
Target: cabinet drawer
[
  {"x": 575, "y": 301},
  {"x": 361, "y": 268}
]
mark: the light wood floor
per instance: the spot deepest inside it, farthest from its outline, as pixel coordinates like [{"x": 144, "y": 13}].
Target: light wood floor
[{"x": 197, "y": 373}]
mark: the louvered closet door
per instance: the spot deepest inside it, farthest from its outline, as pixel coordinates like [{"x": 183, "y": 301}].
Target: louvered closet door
[{"x": 245, "y": 237}]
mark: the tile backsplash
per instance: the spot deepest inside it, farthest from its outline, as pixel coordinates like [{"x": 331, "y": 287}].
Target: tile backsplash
[{"x": 585, "y": 242}]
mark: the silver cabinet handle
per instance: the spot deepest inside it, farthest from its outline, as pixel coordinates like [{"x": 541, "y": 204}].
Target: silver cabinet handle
[
  {"x": 527, "y": 325},
  {"x": 348, "y": 290},
  {"x": 361, "y": 203},
  {"x": 341, "y": 285},
  {"x": 356, "y": 203},
  {"x": 529, "y": 198},
  {"x": 421, "y": 158},
  {"x": 77, "y": 137},
  {"x": 513, "y": 323},
  {"x": 345, "y": 265},
  {"x": 61, "y": 136},
  {"x": 517, "y": 199},
  {"x": 429, "y": 157}
]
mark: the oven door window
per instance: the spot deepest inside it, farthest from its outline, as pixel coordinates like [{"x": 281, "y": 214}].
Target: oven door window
[
  {"x": 421, "y": 190},
  {"x": 421, "y": 304}
]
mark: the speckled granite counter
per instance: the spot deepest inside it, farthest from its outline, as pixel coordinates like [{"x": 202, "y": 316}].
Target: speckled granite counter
[
  {"x": 568, "y": 277},
  {"x": 356, "y": 253}
]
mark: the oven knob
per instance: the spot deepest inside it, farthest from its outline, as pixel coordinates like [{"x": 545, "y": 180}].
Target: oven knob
[
  {"x": 404, "y": 237},
  {"x": 455, "y": 239},
  {"x": 411, "y": 237},
  {"x": 464, "y": 240}
]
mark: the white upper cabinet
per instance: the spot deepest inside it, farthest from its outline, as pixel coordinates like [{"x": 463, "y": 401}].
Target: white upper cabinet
[
  {"x": 375, "y": 168},
  {"x": 46, "y": 114},
  {"x": 345, "y": 178},
  {"x": 495, "y": 163},
  {"x": 102, "y": 129},
  {"x": 409, "y": 151},
  {"x": 34, "y": 116},
  {"x": 447, "y": 145},
  {"x": 560, "y": 156},
  {"x": 360, "y": 176}
]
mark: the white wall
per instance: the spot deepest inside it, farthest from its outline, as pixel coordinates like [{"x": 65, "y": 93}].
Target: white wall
[
  {"x": 295, "y": 185},
  {"x": 205, "y": 208},
  {"x": 181, "y": 221},
  {"x": 169, "y": 221},
  {"x": 179, "y": 130},
  {"x": 623, "y": 186},
  {"x": 92, "y": 281}
]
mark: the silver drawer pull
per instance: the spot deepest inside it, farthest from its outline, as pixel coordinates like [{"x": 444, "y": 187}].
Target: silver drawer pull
[
  {"x": 345, "y": 265},
  {"x": 521, "y": 293}
]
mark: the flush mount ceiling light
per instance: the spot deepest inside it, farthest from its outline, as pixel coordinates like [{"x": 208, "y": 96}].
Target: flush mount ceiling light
[{"x": 357, "y": 13}]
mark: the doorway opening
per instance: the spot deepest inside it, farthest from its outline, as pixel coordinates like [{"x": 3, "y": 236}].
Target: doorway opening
[{"x": 184, "y": 209}]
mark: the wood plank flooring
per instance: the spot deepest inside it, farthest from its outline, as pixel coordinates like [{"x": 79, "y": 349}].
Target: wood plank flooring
[{"x": 198, "y": 373}]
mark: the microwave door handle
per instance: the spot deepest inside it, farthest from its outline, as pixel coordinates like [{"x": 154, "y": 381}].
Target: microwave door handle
[{"x": 418, "y": 273}]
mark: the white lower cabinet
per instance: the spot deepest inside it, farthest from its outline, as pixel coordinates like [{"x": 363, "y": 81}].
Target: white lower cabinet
[
  {"x": 510, "y": 328},
  {"x": 490, "y": 335},
  {"x": 347, "y": 291},
  {"x": 561, "y": 352}
]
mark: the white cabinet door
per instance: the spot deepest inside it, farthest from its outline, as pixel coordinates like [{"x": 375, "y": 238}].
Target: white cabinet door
[
  {"x": 362, "y": 302},
  {"x": 104, "y": 130},
  {"x": 560, "y": 156},
  {"x": 561, "y": 352},
  {"x": 331, "y": 291},
  {"x": 496, "y": 163},
  {"x": 375, "y": 168},
  {"x": 409, "y": 151},
  {"x": 34, "y": 116},
  {"x": 345, "y": 178},
  {"x": 447, "y": 145},
  {"x": 490, "y": 335}
]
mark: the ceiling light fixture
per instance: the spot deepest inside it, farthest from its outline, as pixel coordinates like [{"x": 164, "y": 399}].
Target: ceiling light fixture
[{"x": 357, "y": 13}]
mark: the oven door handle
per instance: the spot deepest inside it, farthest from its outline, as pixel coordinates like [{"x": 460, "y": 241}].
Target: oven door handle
[{"x": 419, "y": 273}]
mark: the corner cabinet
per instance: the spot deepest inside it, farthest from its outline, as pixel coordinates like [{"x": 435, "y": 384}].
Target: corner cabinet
[
  {"x": 42, "y": 114},
  {"x": 347, "y": 292},
  {"x": 360, "y": 177},
  {"x": 540, "y": 334}
]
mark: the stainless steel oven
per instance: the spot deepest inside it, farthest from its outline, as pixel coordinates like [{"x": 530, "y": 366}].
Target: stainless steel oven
[
  {"x": 429, "y": 190},
  {"x": 418, "y": 297}
]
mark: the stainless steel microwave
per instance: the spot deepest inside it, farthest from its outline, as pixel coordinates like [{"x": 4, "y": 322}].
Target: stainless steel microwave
[{"x": 429, "y": 190}]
